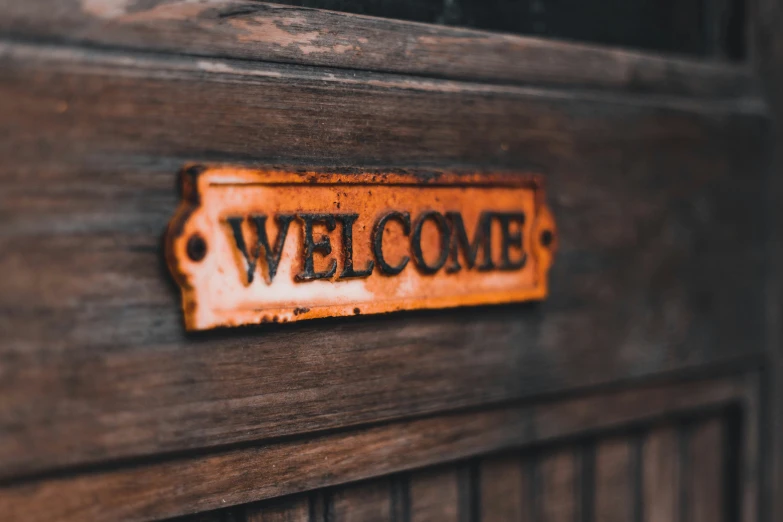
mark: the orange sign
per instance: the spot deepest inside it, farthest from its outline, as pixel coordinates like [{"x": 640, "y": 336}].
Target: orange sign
[{"x": 256, "y": 246}]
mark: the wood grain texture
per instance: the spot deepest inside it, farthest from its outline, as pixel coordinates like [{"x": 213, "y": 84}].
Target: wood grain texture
[
  {"x": 661, "y": 476},
  {"x": 614, "y": 481},
  {"x": 211, "y": 516},
  {"x": 434, "y": 495},
  {"x": 165, "y": 488},
  {"x": 656, "y": 200},
  {"x": 505, "y": 489},
  {"x": 369, "y": 501},
  {"x": 674, "y": 469},
  {"x": 287, "y": 34},
  {"x": 287, "y": 509},
  {"x": 557, "y": 487},
  {"x": 706, "y": 468}
]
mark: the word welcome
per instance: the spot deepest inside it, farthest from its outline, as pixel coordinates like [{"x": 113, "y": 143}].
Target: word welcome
[{"x": 453, "y": 240}]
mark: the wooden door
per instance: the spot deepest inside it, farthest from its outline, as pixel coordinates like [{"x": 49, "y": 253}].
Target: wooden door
[{"x": 637, "y": 391}]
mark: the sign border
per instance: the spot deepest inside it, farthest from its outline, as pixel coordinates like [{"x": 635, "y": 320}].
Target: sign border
[{"x": 196, "y": 179}]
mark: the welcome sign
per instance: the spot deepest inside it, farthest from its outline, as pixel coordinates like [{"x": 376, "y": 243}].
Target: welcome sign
[{"x": 254, "y": 246}]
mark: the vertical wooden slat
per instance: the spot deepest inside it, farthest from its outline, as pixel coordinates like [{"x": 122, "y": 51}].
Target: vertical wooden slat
[
  {"x": 614, "y": 481},
  {"x": 660, "y": 476},
  {"x": 434, "y": 495},
  {"x": 505, "y": 491},
  {"x": 705, "y": 472},
  {"x": 290, "y": 509},
  {"x": 362, "y": 502},
  {"x": 556, "y": 488}
]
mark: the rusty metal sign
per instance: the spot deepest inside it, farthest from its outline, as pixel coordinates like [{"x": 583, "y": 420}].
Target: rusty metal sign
[{"x": 256, "y": 246}]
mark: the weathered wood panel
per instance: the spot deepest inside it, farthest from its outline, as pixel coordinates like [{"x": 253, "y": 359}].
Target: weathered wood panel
[
  {"x": 434, "y": 496},
  {"x": 649, "y": 24},
  {"x": 215, "y": 516},
  {"x": 614, "y": 481},
  {"x": 671, "y": 472},
  {"x": 557, "y": 487},
  {"x": 177, "y": 485},
  {"x": 277, "y": 33},
  {"x": 708, "y": 497},
  {"x": 656, "y": 201},
  {"x": 661, "y": 476},
  {"x": 288, "y": 509},
  {"x": 505, "y": 489},
  {"x": 358, "y": 503}
]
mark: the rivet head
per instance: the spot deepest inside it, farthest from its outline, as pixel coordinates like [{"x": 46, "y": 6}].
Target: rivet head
[
  {"x": 547, "y": 237},
  {"x": 196, "y": 248}
]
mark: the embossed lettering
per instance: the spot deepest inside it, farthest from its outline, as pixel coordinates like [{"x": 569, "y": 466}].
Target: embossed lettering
[
  {"x": 377, "y": 241},
  {"x": 310, "y": 246},
  {"x": 509, "y": 239},
  {"x": 348, "y": 271},
  {"x": 481, "y": 240},
  {"x": 443, "y": 235},
  {"x": 272, "y": 255}
]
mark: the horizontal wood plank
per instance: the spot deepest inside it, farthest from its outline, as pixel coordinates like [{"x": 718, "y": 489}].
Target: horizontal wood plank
[
  {"x": 660, "y": 269},
  {"x": 163, "y": 488},
  {"x": 277, "y": 33}
]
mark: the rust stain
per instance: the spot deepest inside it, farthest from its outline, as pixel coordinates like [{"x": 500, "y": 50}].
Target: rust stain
[{"x": 255, "y": 246}]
